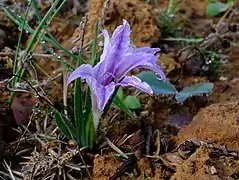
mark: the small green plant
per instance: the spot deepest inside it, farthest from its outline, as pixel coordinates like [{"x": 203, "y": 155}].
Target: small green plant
[
  {"x": 168, "y": 23},
  {"x": 105, "y": 76},
  {"x": 213, "y": 63},
  {"x": 126, "y": 103}
]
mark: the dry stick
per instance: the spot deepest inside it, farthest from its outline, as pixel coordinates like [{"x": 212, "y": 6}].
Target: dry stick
[
  {"x": 157, "y": 143},
  {"x": 115, "y": 148},
  {"x": 83, "y": 29},
  {"x": 65, "y": 77},
  {"x": 9, "y": 170},
  {"x": 104, "y": 12},
  {"x": 18, "y": 143},
  {"x": 37, "y": 55}
]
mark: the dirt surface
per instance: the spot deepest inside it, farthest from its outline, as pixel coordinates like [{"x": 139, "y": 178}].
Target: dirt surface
[
  {"x": 217, "y": 123},
  {"x": 105, "y": 166},
  {"x": 144, "y": 30},
  {"x": 201, "y": 166}
]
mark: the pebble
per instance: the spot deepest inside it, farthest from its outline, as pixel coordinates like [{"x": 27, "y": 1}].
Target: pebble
[{"x": 213, "y": 170}]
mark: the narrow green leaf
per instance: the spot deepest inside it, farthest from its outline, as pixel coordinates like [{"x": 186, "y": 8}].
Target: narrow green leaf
[
  {"x": 65, "y": 126},
  {"x": 94, "y": 44},
  {"x": 158, "y": 86},
  {"x": 90, "y": 132},
  {"x": 51, "y": 39},
  {"x": 34, "y": 40},
  {"x": 79, "y": 119},
  {"x": 194, "y": 90},
  {"x": 41, "y": 25},
  {"x": 35, "y": 5},
  {"x": 132, "y": 102},
  {"x": 15, "y": 67},
  {"x": 78, "y": 110}
]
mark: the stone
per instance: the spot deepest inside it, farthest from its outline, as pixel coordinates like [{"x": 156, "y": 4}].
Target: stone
[{"x": 213, "y": 170}]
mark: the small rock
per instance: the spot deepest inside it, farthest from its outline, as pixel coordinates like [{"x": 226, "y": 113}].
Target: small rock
[
  {"x": 22, "y": 107},
  {"x": 179, "y": 120},
  {"x": 172, "y": 159},
  {"x": 213, "y": 170},
  {"x": 222, "y": 78}
]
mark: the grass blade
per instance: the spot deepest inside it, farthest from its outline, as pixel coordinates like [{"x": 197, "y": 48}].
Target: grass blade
[{"x": 65, "y": 126}]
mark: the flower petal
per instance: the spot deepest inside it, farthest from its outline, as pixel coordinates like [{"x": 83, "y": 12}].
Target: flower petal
[
  {"x": 117, "y": 47},
  {"x": 120, "y": 41},
  {"x": 138, "y": 60},
  {"x": 136, "y": 82},
  {"x": 146, "y": 50},
  {"x": 84, "y": 71},
  {"x": 101, "y": 94},
  {"x": 106, "y": 44}
]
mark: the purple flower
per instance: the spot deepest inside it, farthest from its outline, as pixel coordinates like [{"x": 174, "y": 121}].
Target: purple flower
[{"x": 118, "y": 58}]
